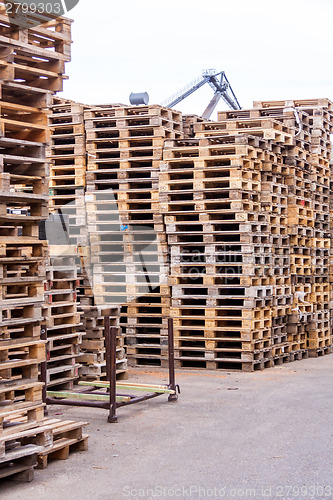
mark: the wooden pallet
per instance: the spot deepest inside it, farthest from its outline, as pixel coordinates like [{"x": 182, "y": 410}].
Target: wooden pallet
[
  {"x": 20, "y": 469},
  {"x": 36, "y": 52},
  {"x": 93, "y": 345},
  {"x": 21, "y": 444},
  {"x": 68, "y": 437}
]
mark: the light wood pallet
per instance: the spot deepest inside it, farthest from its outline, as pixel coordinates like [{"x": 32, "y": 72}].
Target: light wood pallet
[
  {"x": 265, "y": 128},
  {"x": 112, "y": 122},
  {"x": 37, "y": 54},
  {"x": 189, "y": 122},
  {"x": 19, "y": 449},
  {"x": 68, "y": 437}
]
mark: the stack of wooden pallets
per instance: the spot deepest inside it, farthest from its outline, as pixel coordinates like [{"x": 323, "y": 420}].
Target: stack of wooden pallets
[
  {"x": 68, "y": 158},
  {"x": 93, "y": 355},
  {"x": 63, "y": 320},
  {"x": 309, "y": 217},
  {"x": 34, "y": 57},
  {"x": 219, "y": 239},
  {"x": 273, "y": 206},
  {"x": 239, "y": 210},
  {"x": 67, "y": 154},
  {"x": 129, "y": 254},
  {"x": 238, "y": 237},
  {"x": 32, "y": 67},
  {"x": 247, "y": 219},
  {"x": 331, "y": 231}
]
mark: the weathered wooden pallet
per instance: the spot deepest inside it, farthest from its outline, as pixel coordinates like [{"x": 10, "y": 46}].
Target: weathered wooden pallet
[
  {"x": 274, "y": 131},
  {"x": 221, "y": 363},
  {"x": 20, "y": 469},
  {"x": 147, "y": 351},
  {"x": 17, "y": 269},
  {"x": 67, "y": 438},
  {"x": 28, "y": 58},
  {"x": 99, "y": 369},
  {"x": 15, "y": 291},
  {"x": 20, "y": 444},
  {"x": 148, "y": 360},
  {"x": 62, "y": 372},
  {"x": 20, "y": 359},
  {"x": 124, "y": 117},
  {"x": 23, "y": 402}
]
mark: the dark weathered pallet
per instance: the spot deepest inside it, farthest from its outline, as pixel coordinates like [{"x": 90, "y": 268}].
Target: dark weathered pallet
[{"x": 20, "y": 469}]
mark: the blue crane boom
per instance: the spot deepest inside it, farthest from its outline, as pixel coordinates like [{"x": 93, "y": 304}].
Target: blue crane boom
[{"x": 217, "y": 81}]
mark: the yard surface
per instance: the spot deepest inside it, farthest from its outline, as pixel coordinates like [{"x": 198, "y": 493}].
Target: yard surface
[{"x": 231, "y": 435}]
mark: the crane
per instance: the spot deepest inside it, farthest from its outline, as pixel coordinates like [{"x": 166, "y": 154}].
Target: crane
[{"x": 217, "y": 81}]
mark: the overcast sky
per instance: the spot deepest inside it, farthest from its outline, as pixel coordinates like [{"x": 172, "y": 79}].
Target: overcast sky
[{"x": 269, "y": 49}]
